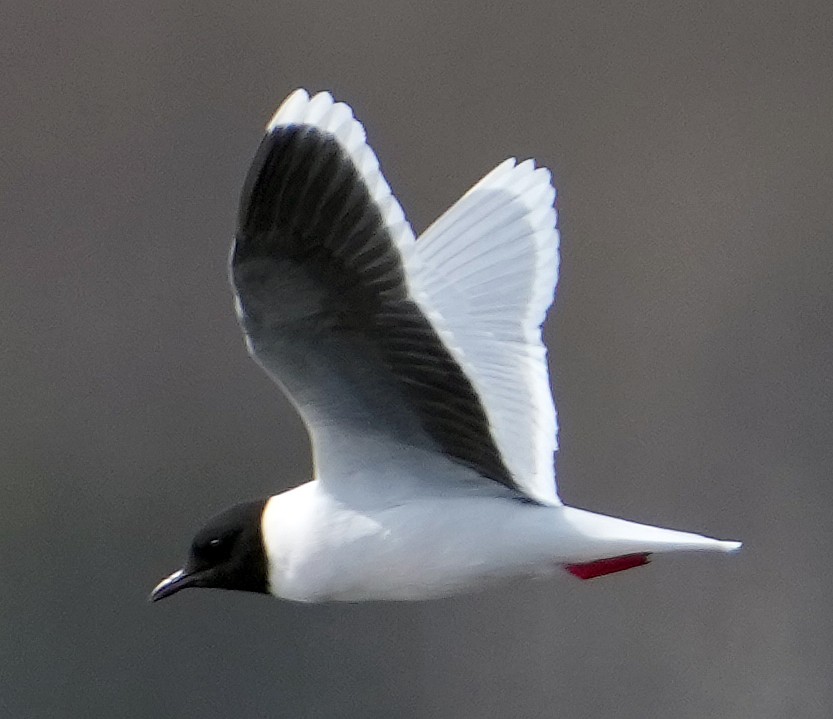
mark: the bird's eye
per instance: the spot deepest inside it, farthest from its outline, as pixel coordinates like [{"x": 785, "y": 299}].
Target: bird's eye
[{"x": 214, "y": 547}]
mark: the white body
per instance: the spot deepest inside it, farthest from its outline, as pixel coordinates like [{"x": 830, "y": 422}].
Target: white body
[{"x": 321, "y": 548}]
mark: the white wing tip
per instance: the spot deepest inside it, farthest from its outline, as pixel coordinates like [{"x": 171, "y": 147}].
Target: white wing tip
[
  {"x": 291, "y": 108},
  {"x": 730, "y": 546},
  {"x": 321, "y": 111},
  {"x": 302, "y": 108}
]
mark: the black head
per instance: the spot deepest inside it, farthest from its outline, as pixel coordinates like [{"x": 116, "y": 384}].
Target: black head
[{"x": 227, "y": 553}]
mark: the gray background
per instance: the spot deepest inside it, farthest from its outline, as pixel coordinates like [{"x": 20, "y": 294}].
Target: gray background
[{"x": 691, "y": 144}]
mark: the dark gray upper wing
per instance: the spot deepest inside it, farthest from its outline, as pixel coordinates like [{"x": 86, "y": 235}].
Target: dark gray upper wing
[{"x": 320, "y": 268}]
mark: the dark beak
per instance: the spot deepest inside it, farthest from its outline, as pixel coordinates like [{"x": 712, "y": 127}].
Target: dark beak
[{"x": 171, "y": 585}]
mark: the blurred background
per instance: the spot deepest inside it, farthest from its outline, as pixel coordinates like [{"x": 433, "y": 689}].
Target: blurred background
[{"x": 692, "y": 147}]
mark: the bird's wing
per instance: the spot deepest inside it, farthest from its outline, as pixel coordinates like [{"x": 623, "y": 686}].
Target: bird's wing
[
  {"x": 490, "y": 267},
  {"x": 342, "y": 310}
]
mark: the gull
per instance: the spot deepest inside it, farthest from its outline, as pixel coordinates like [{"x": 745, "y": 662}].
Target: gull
[{"x": 419, "y": 370}]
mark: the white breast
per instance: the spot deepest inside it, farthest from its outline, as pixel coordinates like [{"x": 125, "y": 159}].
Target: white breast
[{"x": 320, "y": 549}]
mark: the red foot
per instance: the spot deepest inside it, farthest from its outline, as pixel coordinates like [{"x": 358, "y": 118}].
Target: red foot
[{"x": 600, "y": 567}]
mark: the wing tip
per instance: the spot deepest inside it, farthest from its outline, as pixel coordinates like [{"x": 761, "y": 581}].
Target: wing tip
[
  {"x": 289, "y": 109},
  {"x": 337, "y": 119},
  {"x": 319, "y": 110}
]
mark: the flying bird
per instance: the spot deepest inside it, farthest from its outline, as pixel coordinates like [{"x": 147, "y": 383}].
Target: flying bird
[{"x": 419, "y": 370}]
